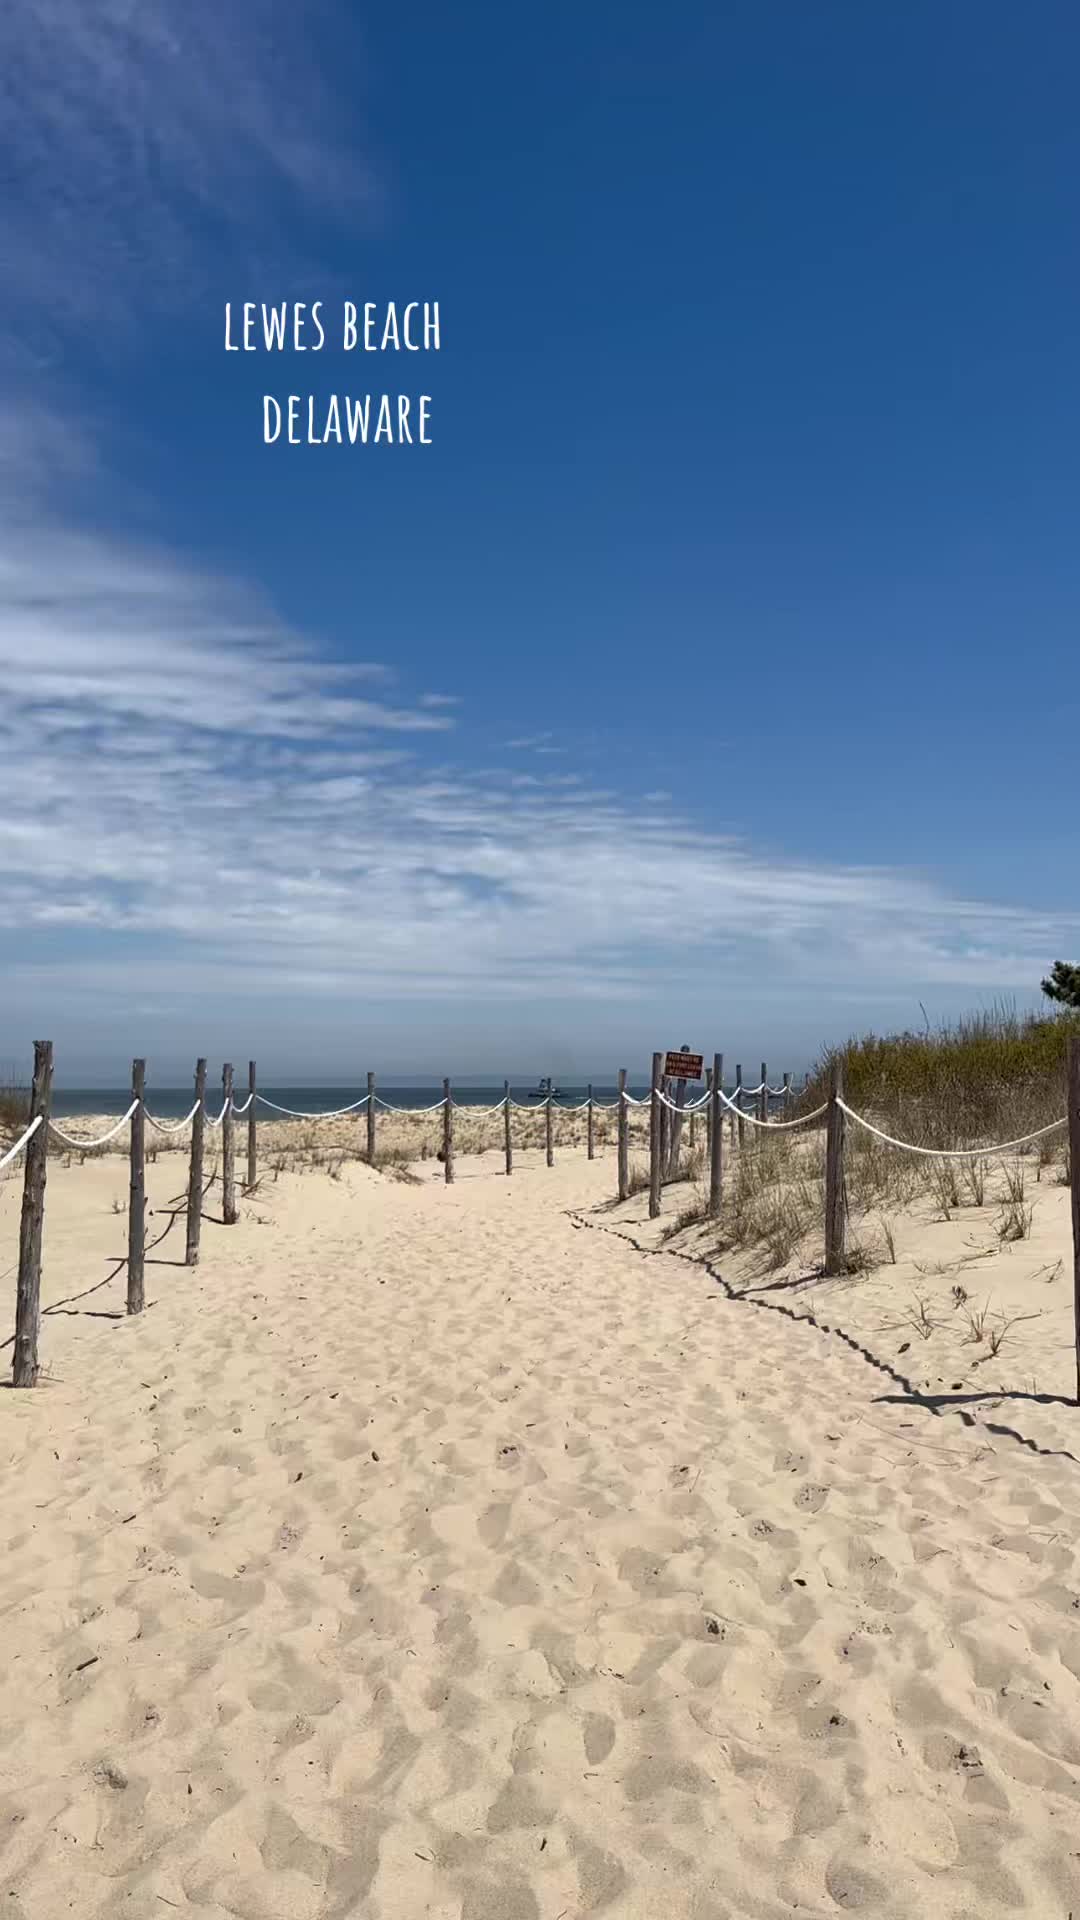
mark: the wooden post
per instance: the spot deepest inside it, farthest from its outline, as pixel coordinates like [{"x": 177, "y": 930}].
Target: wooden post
[
  {"x": 194, "y": 1196},
  {"x": 763, "y": 1097},
  {"x": 665, "y": 1128},
  {"x": 228, "y": 1150},
  {"x": 508, "y": 1143},
  {"x": 136, "y": 1296},
  {"x": 549, "y": 1138},
  {"x": 675, "y": 1142},
  {"x": 834, "y": 1174},
  {"x": 787, "y": 1096},
  {"x": 622, "y": 1120},
  {"x": 709, "y": 1113},
  {"x": 655, "y": 1111},
  {"x": 738, "y": 1103},
  {"x": 1073, "y": 1097},
  {"x": 371, "y": 1119},
  {"x": 24, "y": 1369},
  {"x": 448, "y": 1134},
  {"x": 252, "y": 1168},
  {"x": 716, "y": 1136},
  {"x": 589, "y": 1126}
]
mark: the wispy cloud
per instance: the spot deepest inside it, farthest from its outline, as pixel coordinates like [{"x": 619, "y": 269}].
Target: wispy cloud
[
  {"x": 535, "y": 743},
  {"x": 192, "y": 787},
  {"x": 144, "y": 145}
]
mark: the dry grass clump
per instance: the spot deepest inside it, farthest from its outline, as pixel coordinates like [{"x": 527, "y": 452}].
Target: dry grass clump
[
  {"x": 395, "y": 1161},
  {"x": 774, "y": 1195},
  {"x": 14, "y": 1108},
  {"x": 992, "y": 1076}
]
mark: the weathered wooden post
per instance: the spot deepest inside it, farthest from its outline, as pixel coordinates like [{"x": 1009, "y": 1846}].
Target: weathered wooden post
[
  {"x": 835, "y": 1222},
  {"x": 787, "y": 1096},
  {"x": 665, "y": 1127},
  {"x": 195, "y": 1174},
  {"x": 252, "y": 1168},
  {"x": 24, "y": 1367},
  {"x": 709, "y": 1112},
  {"x": 228, "y": 1150},
  {"x": 136, "y": 1295},
  {"x": 448, "y": 1134},
  {"x": 622, "y": 1123},
  {"x": 1073, "y": 1097},
  {"x": 371, "y": 1119},
  {"x": 763, "y": 1098},
  {"x": 716, "y": 1135},
  {"x": 589, "y": 1125},
  {"x": 507, "y": 1142},
  {"x": 738, "y": 1103},
  {"x": 549, "y": 1137},
  {"x": 655, "y": 1111},
  {"x": 677, "y": 1123}
]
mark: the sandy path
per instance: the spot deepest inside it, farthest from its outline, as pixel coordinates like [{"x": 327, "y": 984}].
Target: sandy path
[{"x": 439, "y": 1555}]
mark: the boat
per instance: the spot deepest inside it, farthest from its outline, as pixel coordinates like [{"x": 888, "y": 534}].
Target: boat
[{"x": 546, "y": 1091}]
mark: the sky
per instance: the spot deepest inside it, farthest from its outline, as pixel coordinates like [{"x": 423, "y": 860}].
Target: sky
[{"x": 708, "y": 679}]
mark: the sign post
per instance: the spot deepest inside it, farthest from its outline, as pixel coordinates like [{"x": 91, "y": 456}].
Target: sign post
[{"x": 678, "y": 1069}]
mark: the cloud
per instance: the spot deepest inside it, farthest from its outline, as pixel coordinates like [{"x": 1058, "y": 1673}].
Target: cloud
[
  {"x": 148, "y": 147},
  {"x": 200, "y": 803},
  {"x": 535, "y": 743}
]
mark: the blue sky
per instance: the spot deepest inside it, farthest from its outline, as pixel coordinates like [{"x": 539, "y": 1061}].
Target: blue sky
[{"x": 707, "y": 678}]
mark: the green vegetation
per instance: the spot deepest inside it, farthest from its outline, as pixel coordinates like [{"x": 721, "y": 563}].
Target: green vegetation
[
  {"x": 1063, "y": 984},
  {"x": 991, "y": 1076}
]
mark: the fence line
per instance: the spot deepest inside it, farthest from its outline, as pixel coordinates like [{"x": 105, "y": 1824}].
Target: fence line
[{"x": 666, "y": 1117}]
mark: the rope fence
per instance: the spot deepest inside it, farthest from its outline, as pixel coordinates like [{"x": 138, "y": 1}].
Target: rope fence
[{"x": 667, "y": 1117}]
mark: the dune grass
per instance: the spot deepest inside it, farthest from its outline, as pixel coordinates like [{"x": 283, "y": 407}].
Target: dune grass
[{"x": 990, "y": 1076}]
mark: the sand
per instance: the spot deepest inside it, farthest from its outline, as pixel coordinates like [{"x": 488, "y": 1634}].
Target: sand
[{"x": 445, "y": 1553}]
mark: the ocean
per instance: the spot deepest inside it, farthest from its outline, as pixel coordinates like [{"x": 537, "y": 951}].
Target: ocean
[{"x": 171, "y": 1103}]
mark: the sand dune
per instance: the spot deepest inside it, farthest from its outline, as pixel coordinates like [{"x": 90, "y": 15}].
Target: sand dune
[{"x": 437, "y": 1552}]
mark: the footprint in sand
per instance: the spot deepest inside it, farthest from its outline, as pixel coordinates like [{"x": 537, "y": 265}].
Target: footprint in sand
[
  {"x": 493, "y": 1523},
  {"x": 599, "y": 1737}
]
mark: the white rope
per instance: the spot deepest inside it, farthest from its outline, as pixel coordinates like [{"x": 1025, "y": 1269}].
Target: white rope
[
  {"x": 952, "y": 1153},
  {"x": 176, "y": 1126},
  {"x": 295, "y": 1113},
  {"x": 461, "y": 1107},
  {"x": 215, "y": 1120},
  {"x": 774, "y": 1126},
  {"x": 20, "y": 1144},
  {"x": 599, "y": 1106},
  {"x": 692, "y": 1106},
  {"x": 84, "y": 1145},
  {"x": 435, "y": 1105},
  {"x": 239, "y": 1110}
]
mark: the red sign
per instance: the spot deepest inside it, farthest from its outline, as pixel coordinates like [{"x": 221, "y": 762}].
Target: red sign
[{"x": 684, "y": 1066}]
